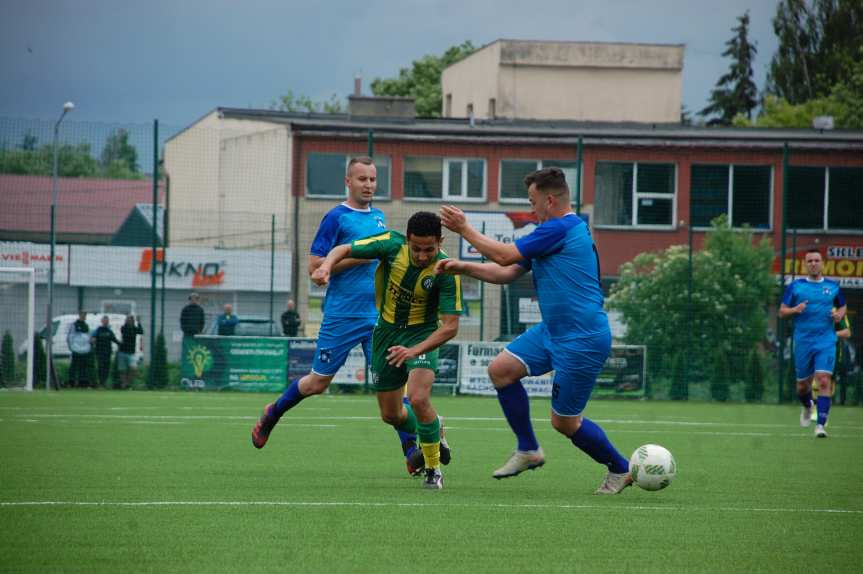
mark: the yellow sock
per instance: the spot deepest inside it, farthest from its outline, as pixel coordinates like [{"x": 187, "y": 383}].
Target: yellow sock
[{"x": 431, "y": 452}]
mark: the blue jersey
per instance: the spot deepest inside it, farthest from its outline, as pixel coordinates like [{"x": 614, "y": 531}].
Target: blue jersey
[
  {"x": 814, "y": 326},
  {"x": 350, "y": 293},
  {"x": 565, "y": 266}
]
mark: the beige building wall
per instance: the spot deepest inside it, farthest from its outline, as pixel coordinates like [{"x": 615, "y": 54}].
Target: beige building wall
[
  {"x": 568, "y": 80},
  {"x": 203, "y": 189}
]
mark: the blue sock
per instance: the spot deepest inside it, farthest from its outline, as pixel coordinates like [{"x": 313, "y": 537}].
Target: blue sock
[
  {"x": 406, "y": 437},
  {"x": 823, "y": 409},
  {"x": 516, "y": 408},
  {"x": 592, "y": 440},
  {"x": 805, "y": 399},
  {"x": 289, "y": 399}
]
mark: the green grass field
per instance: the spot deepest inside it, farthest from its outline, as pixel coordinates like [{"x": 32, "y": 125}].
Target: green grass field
[{"x": 143, "y": 481}]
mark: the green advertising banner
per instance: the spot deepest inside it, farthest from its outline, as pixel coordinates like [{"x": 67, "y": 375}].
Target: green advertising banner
[{"x": 234, "y": 363}]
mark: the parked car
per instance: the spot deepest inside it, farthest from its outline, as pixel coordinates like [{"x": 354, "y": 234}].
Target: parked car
[
  {"x": 60, "y": 328},
  {"x": 249, "y": 326}
]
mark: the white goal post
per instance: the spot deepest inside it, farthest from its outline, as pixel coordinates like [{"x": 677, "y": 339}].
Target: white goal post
[{"x": 11, "y": 318}]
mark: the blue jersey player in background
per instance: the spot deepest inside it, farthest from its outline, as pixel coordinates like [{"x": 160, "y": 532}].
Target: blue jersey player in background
[
  {"x": 349, "y": 308},
  {"x": 573, "y": 338},
  {"x": 816, "y": 303}
]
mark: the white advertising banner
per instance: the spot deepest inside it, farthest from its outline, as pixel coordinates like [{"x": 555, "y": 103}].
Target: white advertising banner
[
  {"x": 38, "y": 256},
  {"x": 500, "y": 226},
  {"x": 353, "y": 372},
  {"x": 185, "y": 268},
  {"x": 475, "y": 358}
]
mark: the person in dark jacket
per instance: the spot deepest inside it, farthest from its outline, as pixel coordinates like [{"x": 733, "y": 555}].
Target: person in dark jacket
[
  {"x": 192, "y": 317},
  {"x": 78, "y": 340},
  {"x": 102, "y": 339},
  {"x": 227, "y": 321},
  {"x": 126, "y": 353},
  {"x": 290, "y": 320}
]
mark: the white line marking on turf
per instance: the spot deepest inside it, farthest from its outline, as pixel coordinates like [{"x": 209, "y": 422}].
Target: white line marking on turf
[{"x": 202, "y": 503}]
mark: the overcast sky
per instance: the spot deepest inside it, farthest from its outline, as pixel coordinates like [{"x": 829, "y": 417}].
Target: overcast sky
[{"x": 132, "y": 61}]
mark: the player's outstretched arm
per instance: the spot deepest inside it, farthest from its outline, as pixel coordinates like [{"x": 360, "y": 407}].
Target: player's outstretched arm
[
  {"x": 488, "y": 272},
  {"x": 321, "y": 275},
  {"x": 504, "y": 254},
  {"x": 346, "y": 263},
  {"x": 448, "y": 329}
]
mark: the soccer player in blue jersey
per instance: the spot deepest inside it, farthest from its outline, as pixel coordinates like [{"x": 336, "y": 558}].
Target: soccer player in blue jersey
[
  {"x": 573, "y": 338},
  {"x": 349, "y": 307},
  {"x": 816, "y": 303}
]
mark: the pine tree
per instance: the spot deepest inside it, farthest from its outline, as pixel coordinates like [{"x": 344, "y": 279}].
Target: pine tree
[
  {"x": 754, "y": 390},
  {"x": 735, "y": 92},
  {"x": 7, "y": 360},
  {"x": 160, "y": 363},
  {"x": 39, "y": 361},
  {"x": 679, "y": 384},
  {"x": 720, "y": 378}
]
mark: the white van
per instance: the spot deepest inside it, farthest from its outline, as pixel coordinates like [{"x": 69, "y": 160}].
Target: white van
[{"x": 62, "y": 323}]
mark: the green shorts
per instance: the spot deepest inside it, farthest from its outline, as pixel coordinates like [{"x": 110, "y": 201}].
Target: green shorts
[{"x": 386, "y": 377}]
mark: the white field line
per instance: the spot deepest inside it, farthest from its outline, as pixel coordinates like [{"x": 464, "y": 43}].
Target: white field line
[
  {"x": 665, "y": 422},
  {"x": 370, "y": 504}
]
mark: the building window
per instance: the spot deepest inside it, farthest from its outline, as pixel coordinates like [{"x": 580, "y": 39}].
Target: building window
[
  {"x": 635, "y": 194},
  {"x": 513, "y": 171},
  {"x": 325, "y": 175},
  {"x": 470, "y": 110},
  {"x": 492, "y": 112},
  {"x": 742, "y": 192},
  {"x": 452, "y": 179},
  {"x": 447, "y": 111},
  {"x": 825, "y": 198}
]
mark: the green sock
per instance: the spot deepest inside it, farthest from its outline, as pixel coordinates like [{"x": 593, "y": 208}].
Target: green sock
[
  {"x": 429, "y": 433},
  {"x": 410, "y": 424}
]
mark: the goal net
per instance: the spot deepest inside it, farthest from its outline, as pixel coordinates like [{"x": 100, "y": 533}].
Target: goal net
[{"x": 17, "y": 303}]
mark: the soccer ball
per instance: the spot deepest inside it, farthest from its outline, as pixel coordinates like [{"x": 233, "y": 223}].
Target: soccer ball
[{"x": 652, "y": 467}]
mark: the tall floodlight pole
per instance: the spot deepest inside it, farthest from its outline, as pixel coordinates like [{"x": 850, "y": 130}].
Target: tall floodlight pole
[{"x": 67, "y": 107}]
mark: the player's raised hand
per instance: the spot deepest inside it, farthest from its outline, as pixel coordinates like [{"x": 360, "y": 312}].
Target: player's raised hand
[
  {"x": 321, "y": 276},
  {"x": 453, "y": 218},
  {"x": 398, "y": 354},
  {"x": 448, "y": 266}
]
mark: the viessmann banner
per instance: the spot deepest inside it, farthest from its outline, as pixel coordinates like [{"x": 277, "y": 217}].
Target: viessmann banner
[
  {"x": 20, "y": 254},
  {"x": 184, "y": 268}
]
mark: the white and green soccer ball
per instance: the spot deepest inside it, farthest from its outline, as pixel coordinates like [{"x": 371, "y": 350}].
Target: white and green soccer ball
[{"x": 652, "y": 467}]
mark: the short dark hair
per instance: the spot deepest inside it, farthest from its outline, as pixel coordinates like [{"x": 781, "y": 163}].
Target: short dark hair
[
  {"x": 548, "y": 179},
  {"x": 813, "y": 250},
  {"x": 363, "y": 159},
  {"x": 424, "y": 224}
]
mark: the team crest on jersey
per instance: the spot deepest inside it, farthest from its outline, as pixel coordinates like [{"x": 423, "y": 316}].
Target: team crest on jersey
[
  {"x": 380, "y": 222},
  {"x": 827, "y": 290},
  {"x": 324, "y": 355},
  {"x": 428, "y": 282}
]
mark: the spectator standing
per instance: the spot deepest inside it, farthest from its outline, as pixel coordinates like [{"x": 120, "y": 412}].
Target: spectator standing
[
  {"x": 78, "y": 339},
  {"x": 126, "y": 353},
  {"x": 192, "y": 317},
  {"x": 102, "y": 339},
  {"x": 290, "y": 320},
  {"x": 227, "y": 321}
]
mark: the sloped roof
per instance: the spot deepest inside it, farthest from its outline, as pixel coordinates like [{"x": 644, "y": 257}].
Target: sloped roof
[{"x": 84, "y": 206}]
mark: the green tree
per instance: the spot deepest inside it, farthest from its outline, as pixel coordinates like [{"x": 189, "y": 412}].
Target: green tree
[
  {"x": 291, "y": 102},
  {"x": 29, "y": 142},
  {"x": 7, "y": 360},
  {"x": 39, "y": 362},
  {"x": 422, "y": 80},
  {"x": 735, "y": 92},
  {"x": 732, "y": 286},
  {"x": 720, "y": 376},
  {"x": 679, "y": 384},
  {"x": 754, "y": 389},
  {"x": 818, "y": 45},
  {"x": 72, "y": 161},
  {"x": 118, "y": 154},
  {"x": 160, "y": 363}
]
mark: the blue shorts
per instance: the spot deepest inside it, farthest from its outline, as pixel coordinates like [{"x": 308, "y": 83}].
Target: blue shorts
[
  {"x": 337, "y": 337},
  {"x": 576, "y": 364},
  {"x": 811, "y": 358}
]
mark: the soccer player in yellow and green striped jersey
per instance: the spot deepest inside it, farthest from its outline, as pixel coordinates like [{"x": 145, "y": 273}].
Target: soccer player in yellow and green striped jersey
[{"x": 418, "y": 311}]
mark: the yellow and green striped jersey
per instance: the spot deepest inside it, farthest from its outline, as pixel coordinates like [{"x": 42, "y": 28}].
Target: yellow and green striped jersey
[
  {"x": 843, "y": 324},
  {"x": 405, "y": 294}
]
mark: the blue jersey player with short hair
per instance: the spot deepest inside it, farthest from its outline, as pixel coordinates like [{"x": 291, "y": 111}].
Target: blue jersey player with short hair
[
  {"x": 816, "y": 303},
  {"x": 573, "y": 338},
  {"x": 349, "y": 307}
]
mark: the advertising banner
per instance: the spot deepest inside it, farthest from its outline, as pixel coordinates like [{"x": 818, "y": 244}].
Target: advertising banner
[
  {"x": 234, "y": 363},
  {"x": 499, "y": 225},
  {"x": 622, "y": 376},
  {"x": 184, "y": 268},
  {"x": 842, "y": 263},
  {"x": 38, "y": 256}
]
